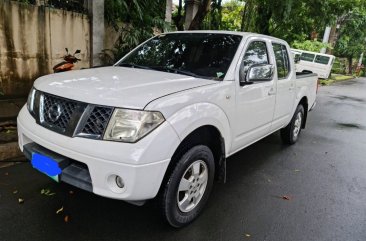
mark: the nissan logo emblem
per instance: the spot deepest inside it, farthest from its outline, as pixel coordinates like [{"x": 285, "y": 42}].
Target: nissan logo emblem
[{"x": 54, "y": 112}]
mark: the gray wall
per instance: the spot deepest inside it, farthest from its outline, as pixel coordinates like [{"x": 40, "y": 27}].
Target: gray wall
[{"x": 33, "y": 39}]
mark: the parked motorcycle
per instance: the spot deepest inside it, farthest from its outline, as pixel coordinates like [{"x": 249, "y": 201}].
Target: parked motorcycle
[{"x": 68, "y": 63}]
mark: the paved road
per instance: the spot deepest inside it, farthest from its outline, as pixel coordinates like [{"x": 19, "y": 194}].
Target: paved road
[{"x": 324, "y": 175}]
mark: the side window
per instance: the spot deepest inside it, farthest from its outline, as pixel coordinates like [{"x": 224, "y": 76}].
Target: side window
[
  {"x": 322, "y": 59},
  {"x": 256, "y": 53},
  {"x": 307, "y": 57},
  {"x": 282, "y": 60}
]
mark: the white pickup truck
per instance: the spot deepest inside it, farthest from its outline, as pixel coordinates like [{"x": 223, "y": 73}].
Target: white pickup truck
[{"x": 161, "y": 122}]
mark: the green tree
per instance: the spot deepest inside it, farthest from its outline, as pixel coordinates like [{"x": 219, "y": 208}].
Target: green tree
[
  {"x": 134, "y": 20},
  {"x": 230, "y": 15},
  {"x": 352, "y": 36},
  {"x": 310, "y": 45},
  {"x": 293, "y": 19}
]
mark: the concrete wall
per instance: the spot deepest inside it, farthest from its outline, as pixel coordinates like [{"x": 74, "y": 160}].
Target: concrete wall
[{"x": 33, "y": 39}]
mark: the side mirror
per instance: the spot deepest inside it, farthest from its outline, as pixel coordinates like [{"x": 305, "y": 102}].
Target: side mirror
[
  {"x": 77, "y": 51},
  {"x": 67, "y": 50},
  {"x": 259, "y": 72}
]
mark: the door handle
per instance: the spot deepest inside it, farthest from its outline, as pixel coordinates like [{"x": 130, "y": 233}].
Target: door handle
[{"x": 271, "y": 92}]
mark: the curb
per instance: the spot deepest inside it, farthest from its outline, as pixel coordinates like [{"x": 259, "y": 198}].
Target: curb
[
  {"x": 10, "y": 154},
  {"x": 9, "y": 151}
]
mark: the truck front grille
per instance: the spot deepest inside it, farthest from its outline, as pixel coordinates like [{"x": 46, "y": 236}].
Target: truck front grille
[
  {"x": 70, "y": 117},
  {"x": 57, "y": 112},
  {"x": 98, "y": 120}
]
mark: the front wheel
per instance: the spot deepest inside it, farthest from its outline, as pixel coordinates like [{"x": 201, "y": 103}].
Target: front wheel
[
  {"x": 290, "y": 134},
  {"x": 188, "y": 187}
]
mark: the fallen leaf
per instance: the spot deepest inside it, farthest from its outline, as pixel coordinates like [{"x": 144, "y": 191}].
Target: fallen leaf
[
  {"x": 247, "y": 235},
  {"x": 20, "y": 200},
  {"x": 286, "y": 198},
  {"x": 15, "y": 191},
  {"x": 6, "y": 174},
  {"x": 47, "y": 192},
  {"x": 66, "y": 219},
  {"x": 269, "y": 180},
  {"x": 60, "y": 210},
  {"x": 296, "y": 170}
]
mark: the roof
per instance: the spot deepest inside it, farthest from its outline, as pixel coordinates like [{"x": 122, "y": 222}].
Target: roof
[
  {"x": 244, "y": 34},
  {"x": 310, "y": 52}
]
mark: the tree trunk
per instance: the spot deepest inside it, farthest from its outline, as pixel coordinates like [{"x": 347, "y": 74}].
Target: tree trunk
[
  {"x": 178, "y": 20},
  {"x": 245, "y": 19},
  {"x": 216, "y": 14},
  {"x": 168, "y": 11},
  {"x": 332, "y": 39},
  {"x": 219, "y": 9},
  {"x": 349, "y": 58},
  {"x": 263, "y": 17},
  {"x": 200, "y": 15}
]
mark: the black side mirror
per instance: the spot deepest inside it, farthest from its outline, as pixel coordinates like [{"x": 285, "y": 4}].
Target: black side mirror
[
  {"x": 67, "y": 50},
  {"x": 77, "y": 51}
]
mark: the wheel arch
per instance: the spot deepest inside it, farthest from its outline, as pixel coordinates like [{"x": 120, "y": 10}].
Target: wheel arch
[
  {"x": 209, "y": 136},
  {"x": 305, "y": 104}
]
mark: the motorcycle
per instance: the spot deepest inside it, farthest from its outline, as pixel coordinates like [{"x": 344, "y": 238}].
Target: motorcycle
[{"x": 68, "y": 63}]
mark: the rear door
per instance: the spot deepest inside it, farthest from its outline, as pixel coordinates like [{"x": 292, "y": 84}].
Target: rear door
[
  {"x": 255, "y": 102},
  {"x": 285, "y": 75}
]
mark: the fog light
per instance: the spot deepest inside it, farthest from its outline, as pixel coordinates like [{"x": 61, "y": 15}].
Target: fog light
[
  {"x": 120, "y": 182},
  {"x": 116, "y": 183}
]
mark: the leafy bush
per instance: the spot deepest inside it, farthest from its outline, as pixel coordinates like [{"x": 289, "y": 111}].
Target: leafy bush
[
  {"x": 310, "y": 45},
  {"x": 134, "y": 21}
]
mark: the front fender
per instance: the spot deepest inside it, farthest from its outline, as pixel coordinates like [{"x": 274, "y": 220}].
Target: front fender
[{"x": 191, "y": 117}]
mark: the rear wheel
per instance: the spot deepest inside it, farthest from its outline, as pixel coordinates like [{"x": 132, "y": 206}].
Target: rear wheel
[
  {"x": 188, "y": 187},
  {"x": 290, "y": 134}
]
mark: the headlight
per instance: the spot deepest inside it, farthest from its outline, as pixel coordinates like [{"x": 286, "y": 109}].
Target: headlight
[
  {"x": 30, "y": 101},
  {"x": 131, "y": 125}
]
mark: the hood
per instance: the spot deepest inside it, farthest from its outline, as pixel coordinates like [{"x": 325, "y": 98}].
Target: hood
[{"x": 117, "y": 86}]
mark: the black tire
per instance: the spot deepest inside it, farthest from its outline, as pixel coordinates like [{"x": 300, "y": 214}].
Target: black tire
[
  {"x": 288, "y": 134},
  {"x": 169, "y": 197}
]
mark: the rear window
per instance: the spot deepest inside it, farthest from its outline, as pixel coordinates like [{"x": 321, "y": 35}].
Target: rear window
[
  {"x": 322, "y": 59},
  {"x": 307, "y": 57}
]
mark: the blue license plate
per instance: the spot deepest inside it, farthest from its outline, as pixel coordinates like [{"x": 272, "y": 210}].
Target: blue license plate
[{"x": 46, "y": 165}]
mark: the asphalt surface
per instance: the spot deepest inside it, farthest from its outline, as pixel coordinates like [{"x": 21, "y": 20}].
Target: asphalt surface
[{"x": 323, "y": 176}]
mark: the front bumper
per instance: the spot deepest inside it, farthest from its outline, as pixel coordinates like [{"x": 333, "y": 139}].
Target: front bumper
[{"x": 141, "y": 165}]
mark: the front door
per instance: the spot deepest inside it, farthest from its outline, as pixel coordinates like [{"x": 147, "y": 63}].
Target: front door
[{"x": 254, "y": 102}]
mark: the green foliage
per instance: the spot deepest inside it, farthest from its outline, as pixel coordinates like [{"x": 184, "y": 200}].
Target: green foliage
[
  {"x": 231, "y": 11},
  {"x": 293, "y": 19},
  {"x": 310, "y": 45},
  {"x": 224, "y": 17},
  {"x": 135, "y": 21},
  {"x": 352, "y": 36},
  {"x": 339, "y": 66}
]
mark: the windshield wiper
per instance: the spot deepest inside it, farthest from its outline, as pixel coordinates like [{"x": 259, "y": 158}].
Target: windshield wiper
[{"x": 133, "y": 66}]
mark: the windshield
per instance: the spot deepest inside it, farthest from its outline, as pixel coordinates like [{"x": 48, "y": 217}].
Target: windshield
[{"x": 204, "y": 55}]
